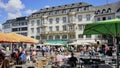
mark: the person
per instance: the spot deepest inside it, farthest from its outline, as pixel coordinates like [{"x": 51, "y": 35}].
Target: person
[
  {"x": 72, "y": 60},
  {"x": 59, "y": 58},
  {"x": 43, "y": 50},
  {"x": 22, "y": 57},
  {"x": 4, "y": 63}
]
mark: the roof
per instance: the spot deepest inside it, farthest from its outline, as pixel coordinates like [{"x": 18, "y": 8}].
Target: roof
[
  {"x": 80, "y": 4},
  {"x": 112, "y": 6},
  {"x": 9, "y": 21}
]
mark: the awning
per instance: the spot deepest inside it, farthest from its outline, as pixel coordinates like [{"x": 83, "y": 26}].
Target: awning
[
  {"x": 82, "y": 42},
  {"x": 55, "y": 42}
]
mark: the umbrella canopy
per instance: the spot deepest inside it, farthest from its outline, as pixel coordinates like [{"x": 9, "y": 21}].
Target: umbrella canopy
[
  {"x": 22, "y": 38},
  {"x": 103, "y": 27},
  {"x": 5, "y": 38}
]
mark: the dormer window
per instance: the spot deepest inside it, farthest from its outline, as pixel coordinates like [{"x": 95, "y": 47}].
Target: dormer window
[
  {"x": 86, "y": 8},
  {"x": 56, "y": 12},
  {"x": 64, "y": 11},
  {"x": 98, "y": 12},
  {"x": 109, "y": 10},
  {"x": 103, "y": 11},
  {"x": 118, "y": 10},
  {"x": 73, "y": 4},
  {"x": 72, "y": 9}
]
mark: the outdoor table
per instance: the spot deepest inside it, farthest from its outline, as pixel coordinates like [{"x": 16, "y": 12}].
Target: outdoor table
[{"x": 90, "y": 61}]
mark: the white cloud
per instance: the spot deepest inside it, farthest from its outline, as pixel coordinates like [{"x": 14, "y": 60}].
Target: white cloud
[
  {"x": 2, "y": 5},
  {"x": 13, "y": 8},
  {"x": 47, "y": 6},
  {"x": 14, "y": 5},
  {"x": 29, "y": 11},
  {"x": 14, "y": 15}
]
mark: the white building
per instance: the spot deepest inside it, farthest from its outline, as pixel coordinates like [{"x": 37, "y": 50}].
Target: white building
[
  {"x": 7, "y": 26},
  {"x": 18, "y": 25},
  {"x": 65, "y": 22}
]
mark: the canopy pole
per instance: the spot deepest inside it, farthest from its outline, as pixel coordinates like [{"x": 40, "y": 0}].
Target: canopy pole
[
  {"x": 117, "y": 51},
  {"x": 12, "y": 47}
]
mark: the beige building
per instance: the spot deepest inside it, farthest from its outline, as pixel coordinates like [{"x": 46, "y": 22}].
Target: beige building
[{"x": 65, "y": 22}]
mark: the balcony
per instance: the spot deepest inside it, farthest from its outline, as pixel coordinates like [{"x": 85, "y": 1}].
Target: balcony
[
  {"x": 57, "y": 32},
  {"x": 43, "y": 25},
  {"x": 71, "y": 23},
  {"x": 43, "y": 33},
  {"x": 71, "y": 31}
]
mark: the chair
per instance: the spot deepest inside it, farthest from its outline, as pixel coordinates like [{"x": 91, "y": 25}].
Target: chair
[
  {"x": 40, "y": 65},
  {"x": 105, "y": 66},
  {"x": 45, "y": 62}
]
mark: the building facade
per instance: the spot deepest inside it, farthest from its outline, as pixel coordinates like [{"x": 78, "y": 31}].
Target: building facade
[
  {"x": 7, "y": 26},
  {"x": 107, "y": 12},
  {"x": 18, "y": 25},
  {"x": 65, "y": 22}
]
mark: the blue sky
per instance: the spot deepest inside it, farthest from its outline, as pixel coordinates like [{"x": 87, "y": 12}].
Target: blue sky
[{"x": 10, "y": 9}]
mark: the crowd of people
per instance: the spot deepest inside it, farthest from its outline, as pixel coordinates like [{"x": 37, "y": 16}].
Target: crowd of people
[{"x": 63, "y": 55}]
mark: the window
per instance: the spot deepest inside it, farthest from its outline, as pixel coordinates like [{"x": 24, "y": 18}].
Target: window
[
  {"x": 24, "y": 29},
  {"x": 71, "y": 10},
  {"x": 42, "y": 21},
  {"x": 43, "y": 37},
  {"x": 57, "y": 28},
  {"x": 32, "y": 23},
  {"x": 71, "y": 18},
  {"x": 37, "y": 37},
  {"x": 38, "y": 22},
  {"x": 109, "y": 17},
  {"x": 50, "y": 37},
  {"x": 103, "y": 11},
  {"x": 57, "y": 37},
  {"x": 32, "y": 36},
  {"x": 71, "y": 27},
  {"x": 50, "y": 28},
  {"x": 14, "y": 29},
  {"x": 64, "y": 37},
  {"x": 72, "y": 36},
  {"x": 64, "y": 11},
  {"x": 80, "y": 36},
  {"x": 64, "y": 20},
  {"x": 79, "y": 17},
  {"x": 24, "y": 33},
  {"x": 32, "y": 30},
  {"x": 50, "y": 13},
  {"x": 118, "y": 16},
  {"x": 118, "y": 10},
  {"x": 86, "y": 8},
  {"x": 79, "y": 9},
  {"x": 51, "y": 21},
  {"x": 104, "y": 18},
  {"x": 80, "y": 27},
  {"x": 98, "y": 12},
  {"x": 38, "y": 30},
  {"x": 22, "y": 23},
  {"x": 64, "y": 28},
  {"x": 56, "y": 12},
  {"x": 88, "y": 36},
  {"x": 57, "y": 20},
  {"x": 98, "y": 19},
  {"x": 88, "y": 17},
  {"x": 43, "y": 29},
  {"x": 109, "y": 10}
]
